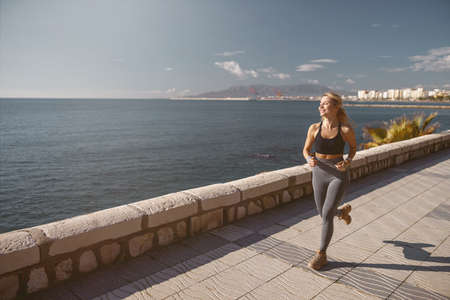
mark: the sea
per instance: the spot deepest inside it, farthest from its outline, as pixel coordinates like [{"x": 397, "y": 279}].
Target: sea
[{"x": 60, "y": 158}]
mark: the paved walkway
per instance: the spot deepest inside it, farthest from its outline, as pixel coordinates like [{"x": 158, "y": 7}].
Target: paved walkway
[{"x": 397, "y": 247}]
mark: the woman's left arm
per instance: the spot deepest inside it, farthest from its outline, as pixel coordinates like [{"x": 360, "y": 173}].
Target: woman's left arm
[{"x": 349, "y": 137}]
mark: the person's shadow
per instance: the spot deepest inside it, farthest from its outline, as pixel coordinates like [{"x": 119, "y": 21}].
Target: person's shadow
[{"x": 414, "y": 251}]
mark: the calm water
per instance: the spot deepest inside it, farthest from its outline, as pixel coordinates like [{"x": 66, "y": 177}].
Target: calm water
[{"x": 61, "y": 158}]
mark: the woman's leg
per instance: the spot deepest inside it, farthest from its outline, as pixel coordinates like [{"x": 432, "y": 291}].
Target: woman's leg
[
  {"x": 320, "y": 185},
  {"x": 333, "y": 197}
]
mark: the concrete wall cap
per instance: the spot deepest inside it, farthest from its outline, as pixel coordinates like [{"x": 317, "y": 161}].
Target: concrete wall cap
[
  {"x": 301, "y": 173},
  {"x": 168, "y": 208},
  {"x": 17, "y": 250},
  {"x": 15, "y": 241},
  {"x": 74, "y": 233},
  {"x": 260, "y": 184},
  {"x": 85, "y": 223},
  {"x": 216, "y": 195}
]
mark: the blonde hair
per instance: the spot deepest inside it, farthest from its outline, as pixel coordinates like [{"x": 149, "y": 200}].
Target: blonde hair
[{"x": 337, "y": 100}]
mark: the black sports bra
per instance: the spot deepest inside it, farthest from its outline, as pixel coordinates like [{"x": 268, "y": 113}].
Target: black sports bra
[{"x": 329, "y": 146}]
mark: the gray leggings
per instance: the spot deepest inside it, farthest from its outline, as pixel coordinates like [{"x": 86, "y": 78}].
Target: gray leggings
[{"x": 329, "y": 186}]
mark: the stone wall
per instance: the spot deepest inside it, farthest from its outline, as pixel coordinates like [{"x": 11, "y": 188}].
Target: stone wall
[{"x": 36, "y": 258}]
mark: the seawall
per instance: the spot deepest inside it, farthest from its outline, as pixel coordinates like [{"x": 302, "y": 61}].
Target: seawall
[{"x": 39, "y": 257}]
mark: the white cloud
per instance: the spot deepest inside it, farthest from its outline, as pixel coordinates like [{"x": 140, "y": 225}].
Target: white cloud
[
  {"x": 235, "y": 69},
  {"x": 350, "y": 81},
  {"x": 168, "y": 69},
  {"x": 308, "y": 67},
  {"x": 312, "y": 81},
  {"x": 375, "y": 25},
  {"x": 281, "y": 76},
  {"x": 171, "y": 91},
  {"x": 252, "y": 73},
  {"x": 437, "y": 60},
  {"x": 267, "y": 70},
  {"x": 394, "y": 69},
  {"x": 230, "y": 53},
  {"x": 324, "y": 60}
]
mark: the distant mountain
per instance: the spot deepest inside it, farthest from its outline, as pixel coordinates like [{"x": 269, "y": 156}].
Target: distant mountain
[{"x": 263, "y": 90}]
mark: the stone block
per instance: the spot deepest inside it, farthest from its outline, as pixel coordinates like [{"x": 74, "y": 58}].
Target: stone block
[
  {"x": 168, "y": 208},
  {"x": 212, "y": 219},
  {"x": 298, "y": 174},
  {"x": 230, "y": 212},
  {"x": 181, "y": 229},
  {"x": 140, "y": 244},
  {"x": 207, "y": 221},
  {"x": 372, "y": 154},
  {"x": 307, "y": 189},
  {"x": 241, "y": 212},
  {"x": 216, "y": 195},
  {"x": 17, "y": 250},
  {"x": 86, "y": 230},
  {"x": 195, "y": 225},
  {"x": 88, "y": 262},
  {"x": 297, "y": 193},
  {"x": 9, "y": 286},
  {"x": 261, "y": 184},
  {"x": 286, "y": 197},
  {"x": 64, "y": 269},
  {"x": 165, "y": 236},
  {"x": 268, "y": 202},
  {"x": 254, "y": 208},
  {"x": 38, "y": 280},
  {"x": 109, "y": 253}
]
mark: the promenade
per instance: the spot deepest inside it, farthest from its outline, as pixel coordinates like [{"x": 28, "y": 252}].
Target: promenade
[{"x": 396, "y": 247}]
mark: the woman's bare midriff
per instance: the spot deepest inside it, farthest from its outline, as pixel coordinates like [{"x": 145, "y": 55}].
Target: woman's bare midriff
[{"x": 328, "y": 156}]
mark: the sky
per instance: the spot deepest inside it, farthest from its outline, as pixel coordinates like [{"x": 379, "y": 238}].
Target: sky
[{"x": 170, "y": 48}]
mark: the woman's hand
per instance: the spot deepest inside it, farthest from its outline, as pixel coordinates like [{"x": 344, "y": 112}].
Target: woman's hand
[
  {"x": 312, "y": 161},
  {"x": 342, "y": 165}
]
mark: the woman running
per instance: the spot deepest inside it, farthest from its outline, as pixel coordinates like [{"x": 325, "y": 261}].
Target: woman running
[{"x": 330, "y": 174}]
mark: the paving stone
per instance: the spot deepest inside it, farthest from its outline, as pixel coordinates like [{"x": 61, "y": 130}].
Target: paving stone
[
  {"x": 230, "y": 284},
  {"x": 231, "y": 232},
  {"x": 55, "y": 293},
  {"x": 347, "y": 252},
  {"x": 395, "y": 260},
  {"x": 263, "y": 267},
  {"x": 338, "y": 291},
  {"x": 279, "y": 232},
  {"x": 258, "y": 242},
  {"x": 292, "y": 284},
  {"x": 173, "y": 254},
  {"x": 138, "y": 268},
  {"x": 231, "y": 254},
  {"x": 370, "y": 282},
  {"x": 204, "y": 242},
  {"x": 162, "y": 284},
  {"x": 289, "y": 253},
  {"x": 96, "y": 284},
  {"x": 408, "y": 291},
  {"x": 200, "y": 267}
]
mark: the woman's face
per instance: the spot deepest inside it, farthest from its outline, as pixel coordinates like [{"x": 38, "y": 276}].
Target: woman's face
[{"x": 327, "y": 107}]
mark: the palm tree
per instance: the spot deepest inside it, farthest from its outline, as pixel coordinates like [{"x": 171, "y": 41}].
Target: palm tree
[{"x": 399, "y": 129}]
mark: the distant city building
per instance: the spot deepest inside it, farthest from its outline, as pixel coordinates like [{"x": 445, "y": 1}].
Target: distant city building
[{"x": 400, "y": 94}]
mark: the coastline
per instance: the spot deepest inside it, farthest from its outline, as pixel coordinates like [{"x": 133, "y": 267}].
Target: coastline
[{"x": 399, "y": 106}]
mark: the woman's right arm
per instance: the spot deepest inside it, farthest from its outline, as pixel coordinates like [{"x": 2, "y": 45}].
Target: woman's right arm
[{"x": 308, "y": 145}]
